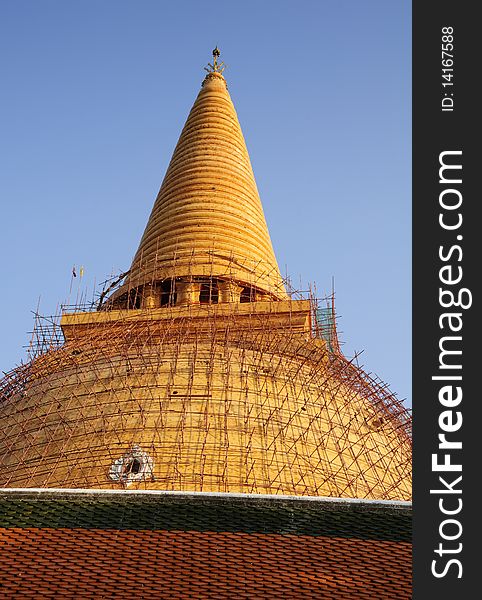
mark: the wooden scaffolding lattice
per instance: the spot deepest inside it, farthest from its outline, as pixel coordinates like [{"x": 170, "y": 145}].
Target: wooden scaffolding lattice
[{"x": 250, "y": 396}]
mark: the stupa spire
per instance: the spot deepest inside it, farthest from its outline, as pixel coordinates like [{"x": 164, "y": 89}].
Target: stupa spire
[
  {"x": 215, "y": 67},
  {"x": 207, "y": 220}
]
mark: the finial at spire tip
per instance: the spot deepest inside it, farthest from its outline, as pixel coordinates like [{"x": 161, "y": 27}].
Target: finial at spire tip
[{"x": 215, "y": 67}]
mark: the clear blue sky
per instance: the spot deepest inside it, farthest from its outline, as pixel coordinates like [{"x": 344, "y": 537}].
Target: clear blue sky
[{"x": 94, "y": 96}]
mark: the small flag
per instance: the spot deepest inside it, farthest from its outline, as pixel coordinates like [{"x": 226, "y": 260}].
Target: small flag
[
  {"x": 81, "y": 271},
  {"x": 74, "y": 274}
]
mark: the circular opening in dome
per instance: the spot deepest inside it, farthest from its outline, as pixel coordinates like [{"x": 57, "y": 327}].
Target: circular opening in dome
[{"x": 133, "y": 467}]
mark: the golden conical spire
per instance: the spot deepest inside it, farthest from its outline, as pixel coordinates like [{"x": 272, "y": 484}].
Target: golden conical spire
[{"x": 207, "y": 220}]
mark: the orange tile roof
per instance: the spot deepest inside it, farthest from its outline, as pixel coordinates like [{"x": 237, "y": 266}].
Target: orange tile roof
[
  {"x": 85, "y": 563},
  {"x": 259, "y": 562}
]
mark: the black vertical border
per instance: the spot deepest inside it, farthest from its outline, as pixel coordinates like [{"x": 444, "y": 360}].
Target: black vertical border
[{"x": 435, "y": 131}]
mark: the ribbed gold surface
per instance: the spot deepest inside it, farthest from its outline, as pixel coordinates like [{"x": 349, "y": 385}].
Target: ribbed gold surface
[{"x": 208, "y": 218}]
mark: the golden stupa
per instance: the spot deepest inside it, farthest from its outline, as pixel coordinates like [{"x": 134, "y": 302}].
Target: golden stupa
[{"x": 196, "y": 370}]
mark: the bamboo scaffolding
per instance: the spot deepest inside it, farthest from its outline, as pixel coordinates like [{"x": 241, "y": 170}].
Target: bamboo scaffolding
[{"x": 220, "y": 397}]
